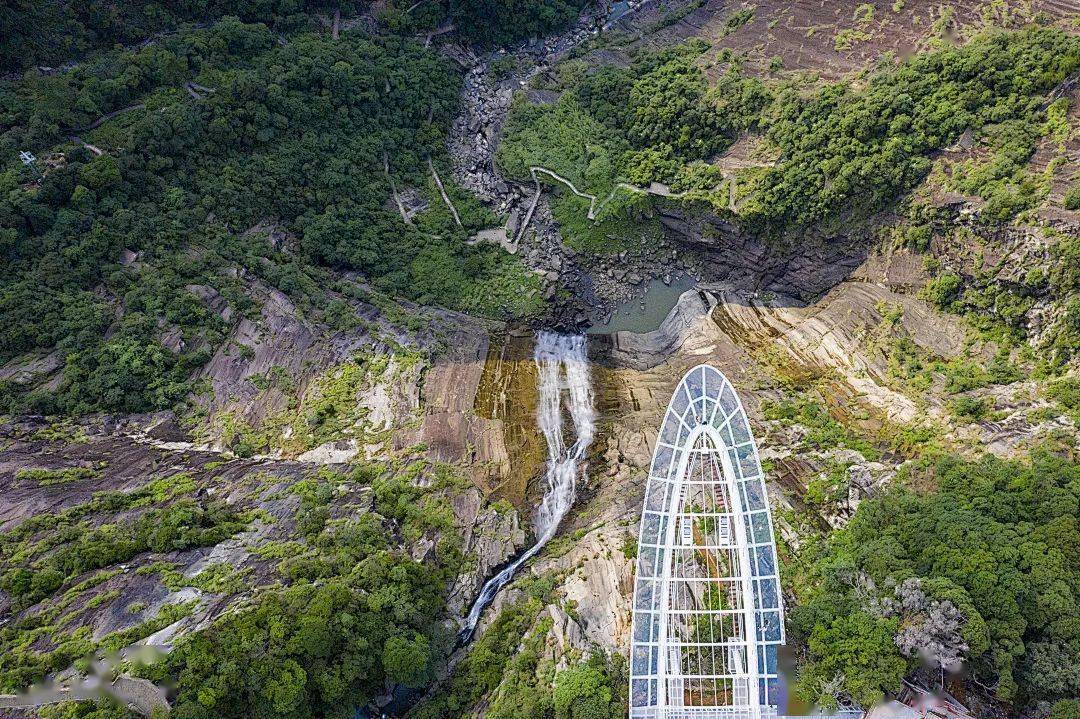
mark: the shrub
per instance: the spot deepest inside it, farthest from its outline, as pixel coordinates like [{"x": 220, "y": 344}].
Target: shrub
[
  {"x": 996, "y": 538},
  {"x": 1072, "y": 196},
  {"x": 943, "y": 290},
  {"x": 973, "y": 408}
]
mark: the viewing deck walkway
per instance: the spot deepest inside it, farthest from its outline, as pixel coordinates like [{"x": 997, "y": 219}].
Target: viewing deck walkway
[{"x": 708, "y": 615}]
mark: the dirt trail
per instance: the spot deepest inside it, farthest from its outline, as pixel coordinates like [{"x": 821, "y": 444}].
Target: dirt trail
[
  {"x": 655, "y": 188},
  {"x": 442, "y": 191}
]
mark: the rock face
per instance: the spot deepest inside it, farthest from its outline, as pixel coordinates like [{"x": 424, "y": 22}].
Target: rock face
[
  {"x": 467, "y": 395},
  {"x": 802, "y": 269},
  {"x": 598, "y": 584},
  {"x": 279, "y": 341},
  {"x": 128, "y": 456},
  {"x": 641, "y": 351},
  {"x": 761, "y": 341},
  {"x": 492, "y": 537}
]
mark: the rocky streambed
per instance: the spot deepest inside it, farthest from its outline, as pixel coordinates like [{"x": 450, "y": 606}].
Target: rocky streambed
[{"x": 580, "y": 289}]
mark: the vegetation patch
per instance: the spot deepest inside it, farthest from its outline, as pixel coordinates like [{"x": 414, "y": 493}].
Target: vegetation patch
[
  {"x": 79, "y": 548},
  {"x": 840, "y": 145},
  {"x": 1066, "y": 393},
  {"x": 997, "y": 310},
  {"x": 825, "y": 432},
  {"x": 353, "y": 610},
  {"x": 328, "y": 410},
  {"x": 992, "y": 553},
  {"x": 179, "y": 186},
  {"x": 49, "y": 477}
]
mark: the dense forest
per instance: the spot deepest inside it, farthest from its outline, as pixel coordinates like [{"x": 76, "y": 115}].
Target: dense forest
[
  {"x": 983, "y": 570},
  {"x": 841, "y": 151},
  {"x": 218, "y": 130},
  {"x": 57, "y": 33}
]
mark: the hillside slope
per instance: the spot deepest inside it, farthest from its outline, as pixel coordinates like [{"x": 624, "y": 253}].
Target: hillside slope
[{"x": 269, "y": 296}]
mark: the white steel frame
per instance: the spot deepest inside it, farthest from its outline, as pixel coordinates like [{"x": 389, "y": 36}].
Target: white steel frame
[{"x": 708, "y": 613}]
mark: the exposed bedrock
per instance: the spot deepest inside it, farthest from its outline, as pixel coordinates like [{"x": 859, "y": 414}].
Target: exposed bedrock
[{"x": 802, "y": 268}]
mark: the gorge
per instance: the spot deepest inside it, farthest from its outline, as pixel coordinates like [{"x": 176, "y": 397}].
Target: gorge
[{"x": 314, "y": 328}]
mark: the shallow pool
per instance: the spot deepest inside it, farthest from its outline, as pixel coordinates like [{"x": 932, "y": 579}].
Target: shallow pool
[
  {"x": 618, "y": 9},
  {"x": 659, "y": 299}
]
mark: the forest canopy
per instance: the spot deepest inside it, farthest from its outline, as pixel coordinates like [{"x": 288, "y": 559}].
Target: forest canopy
[
  {"x": 984, "y": 571},
  {"x": 57, "y": 33},
  {"x": 840, "y": 150},
  {"x": 210, "y": 133}
]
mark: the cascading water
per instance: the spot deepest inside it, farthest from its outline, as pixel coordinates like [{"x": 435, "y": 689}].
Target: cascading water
[{"x": 562, "y": 364}]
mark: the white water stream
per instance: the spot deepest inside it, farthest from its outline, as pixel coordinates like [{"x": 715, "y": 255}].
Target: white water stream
[{"x": 563, "y": 368}]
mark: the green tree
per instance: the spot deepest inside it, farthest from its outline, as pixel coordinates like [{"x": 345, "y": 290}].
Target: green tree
[
  {"x": 668, "y": 106},
  {"x": 406, "y": 660},
  {"x": 854, "y": 655},
  {"x": 1066, "y": 709},
  {"x": 584, "y": 692},
  {"x": 123, "y": 375}
]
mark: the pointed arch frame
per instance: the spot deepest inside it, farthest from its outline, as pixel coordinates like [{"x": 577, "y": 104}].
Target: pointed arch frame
[{"x": 706, "y": 558}]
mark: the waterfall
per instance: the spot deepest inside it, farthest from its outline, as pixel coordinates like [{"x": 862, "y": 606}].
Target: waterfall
[{"x": 561, "y": 364}]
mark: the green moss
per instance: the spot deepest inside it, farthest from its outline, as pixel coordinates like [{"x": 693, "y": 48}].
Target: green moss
[
  {"x": 630, "y": 546},
  {"x": 675, "y": 16},
  {"x": 846, "y": 38},
  {"x": 103, "y": 598},
  {"x": 49, "y": 477},
  {"x": 943, "y": 290},
  {"x": 160, "y": 566},
  {"x": 62, "y": 432},
  {"x": 825, "y": 432},
  {"x": 218, "y": 578},
  {"x": 829, "y": 487},
  {"x": 738, "y": 18}
]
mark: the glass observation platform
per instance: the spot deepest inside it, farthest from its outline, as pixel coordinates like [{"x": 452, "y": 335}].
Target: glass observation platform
[{"x": 708, "y": 617}]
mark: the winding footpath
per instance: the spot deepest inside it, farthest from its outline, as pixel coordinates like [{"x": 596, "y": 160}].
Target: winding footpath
[{"x": 657, "y": 189}]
